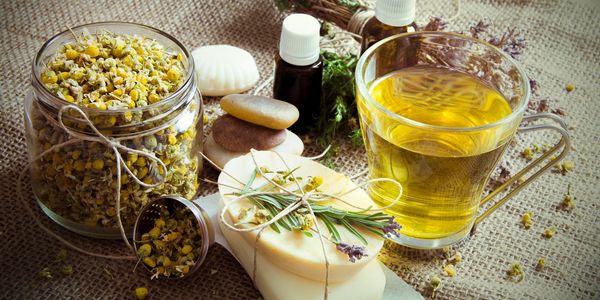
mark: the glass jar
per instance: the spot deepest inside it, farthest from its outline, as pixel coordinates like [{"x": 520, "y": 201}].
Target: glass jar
[{"x": 76, "y": 184}]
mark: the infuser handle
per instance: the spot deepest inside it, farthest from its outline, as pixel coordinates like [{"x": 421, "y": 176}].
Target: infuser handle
[
  {"x": 564, "y": 143},
  {"x": 210, "y": 205}
]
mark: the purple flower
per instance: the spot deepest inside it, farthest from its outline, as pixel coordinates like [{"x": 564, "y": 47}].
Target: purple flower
[
  {"x": 391, "y": 229},
  {"x": 533, "y": 84},
  {"x": 435, "y": 24},
  {"x": 480, "y": 27},
  {"x": 354, "y": 252}
]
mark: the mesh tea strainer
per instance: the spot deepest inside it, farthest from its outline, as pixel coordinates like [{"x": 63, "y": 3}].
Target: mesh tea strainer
[{"x": 155, "y": 210}]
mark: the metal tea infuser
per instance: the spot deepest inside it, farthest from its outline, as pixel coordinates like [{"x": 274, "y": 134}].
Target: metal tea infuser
[{"x": 205, "y": 215}]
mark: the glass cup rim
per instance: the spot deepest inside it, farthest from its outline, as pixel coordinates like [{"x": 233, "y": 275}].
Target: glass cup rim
[
  {"x": 173, "y": 97},
  {"x": 363, "y": 90}
]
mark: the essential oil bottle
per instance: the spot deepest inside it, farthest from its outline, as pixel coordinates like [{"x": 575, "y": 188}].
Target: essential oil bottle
[
  {"x": 299, "y": 70},
  {"x": 391, "y": 17}
]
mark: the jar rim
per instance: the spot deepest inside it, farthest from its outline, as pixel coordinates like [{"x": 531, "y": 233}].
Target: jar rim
[{"x": 170, "y": 99}]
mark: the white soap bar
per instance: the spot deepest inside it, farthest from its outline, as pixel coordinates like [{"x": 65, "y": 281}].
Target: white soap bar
[
  {"x": 220, "y": 156},
  {"x": 292, "y": 250},
  {"x": 222, "y": 70},
  {"x": 276, "y": 283}
]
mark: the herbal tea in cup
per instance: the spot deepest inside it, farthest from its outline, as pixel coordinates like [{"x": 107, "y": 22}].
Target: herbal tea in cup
[{"x": 437, "y": 112}]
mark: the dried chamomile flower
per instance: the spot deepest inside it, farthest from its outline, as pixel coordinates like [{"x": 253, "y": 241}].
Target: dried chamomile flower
[
  {"x": 516, "y": 272},
  {"x": 169, "y": 248},
  {"x": 450, "y": 270},
  {"x": 565, "y": 167},
  {"x": 549, "y": 232},
  {"x": 456, "y": 258},
  {"x": 62, "y": 255},
  {"x": 527, "y": 220},
  {"x": 261, "y": 216},
  {"x": 66, "y": 269},
  {"x": 108, "y": 71},
  {"x": 527, "y": 153},
  {"x": 45, "y": 273},
  {"x": 567, "y": 204},
  {"x": 313, "y": 183},
  {"x": 435, "y": 283},
  {"x": 141, "y": 293},
  {"x": 570, "y": 87},
  {"x": 540, "y": 264},
  {"x": 307, "y": 221},
  {"x": 447, "y": 250}
]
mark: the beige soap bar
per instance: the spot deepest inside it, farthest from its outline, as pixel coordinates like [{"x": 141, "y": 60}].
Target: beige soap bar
[
  {"x": 293, "y": 251},
  {"x": 276, "y": 283}
]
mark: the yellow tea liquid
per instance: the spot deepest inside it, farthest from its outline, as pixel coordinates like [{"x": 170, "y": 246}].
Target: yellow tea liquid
[{"x": 443, "y": 172}]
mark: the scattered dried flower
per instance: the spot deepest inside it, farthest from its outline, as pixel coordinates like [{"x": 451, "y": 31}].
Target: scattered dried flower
[
  {"x": 565, "y": 167},
  {"x": 354, "y": 252},
  {"x": 435, "y": 24},
  {"x": 141, "y": 293},
  {"x": 558, "y": 111},
  {"x": 527, "y": 153},
  {"x": 66, "y": 269},
  {"x": 516, "y": 272},
  {"x": 567, "y": 204},
  {"x": 538, "y": 106},
  {"x": 450, "y": 270},
  {"x": 45, "y": 273},
  {"x": 549, "y": 232},
  {"x": 570, "y": 87},
  {"x": 456, "y": 258},
  {"x": 446, "y": 250},
  {"x": 480, "y": 27},
  {"x": 62, "y": 255},
  {"x": 435, "y": 283},
  {"x": 540, "y": 264},
  {"x": 502, "y": 177},
  {"x": 527, "y": 220},
  {"x": 534, "y": 86}
]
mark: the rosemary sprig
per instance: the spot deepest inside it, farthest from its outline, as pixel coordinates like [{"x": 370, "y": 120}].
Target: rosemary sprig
[{"x": 378, "y": 223}]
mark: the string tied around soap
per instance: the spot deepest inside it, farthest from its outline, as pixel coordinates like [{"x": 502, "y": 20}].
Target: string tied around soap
[
  {"x": 115, "y": 146},
  {"x": 302, "y": 200}
]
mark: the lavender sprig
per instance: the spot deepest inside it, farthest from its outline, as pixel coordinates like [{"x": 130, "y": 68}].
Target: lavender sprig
[
  {"x": 354, "y": 252},
  {"x": 392, "y": 228},
  {"x": 435, "y": 24},
  {"x": 479, "y": 28},
  {"x": 378, "y": 223}
]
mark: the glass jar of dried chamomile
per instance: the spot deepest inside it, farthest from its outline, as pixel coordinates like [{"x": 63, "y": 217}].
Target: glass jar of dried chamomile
[{"x": 114, "y": 111}]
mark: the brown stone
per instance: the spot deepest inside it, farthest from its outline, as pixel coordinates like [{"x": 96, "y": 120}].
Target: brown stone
[{"x": 237, "y": 135}]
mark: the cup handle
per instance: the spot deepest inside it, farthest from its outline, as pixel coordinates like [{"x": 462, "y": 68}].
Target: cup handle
[{"x": 564, "y": 144}]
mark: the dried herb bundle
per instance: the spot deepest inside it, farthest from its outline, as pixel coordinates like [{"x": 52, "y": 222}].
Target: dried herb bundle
[
  {"x": 268, "y": 205},
  {"x": 338, "y": 12}
]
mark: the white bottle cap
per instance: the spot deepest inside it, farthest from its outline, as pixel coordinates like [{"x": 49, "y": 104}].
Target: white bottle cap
[
  {"x": 299, "y": 43},
  {"x": 395, "y": 12}
]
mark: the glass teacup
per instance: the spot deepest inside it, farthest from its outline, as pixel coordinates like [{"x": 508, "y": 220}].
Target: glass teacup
[{"x": 437, "y": 112}]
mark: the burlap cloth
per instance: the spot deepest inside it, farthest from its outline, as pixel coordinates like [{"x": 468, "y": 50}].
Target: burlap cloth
[{"x": 563, "y": 47}]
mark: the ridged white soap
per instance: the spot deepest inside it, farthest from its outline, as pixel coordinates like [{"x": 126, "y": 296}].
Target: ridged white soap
[{"x": 223, "y": 69}]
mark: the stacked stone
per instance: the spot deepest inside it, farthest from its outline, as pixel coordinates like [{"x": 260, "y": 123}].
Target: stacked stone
[{"x": 252, "y": 122}]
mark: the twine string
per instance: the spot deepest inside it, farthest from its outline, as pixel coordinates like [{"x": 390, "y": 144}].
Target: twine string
[{"x": 115, "y": 146}]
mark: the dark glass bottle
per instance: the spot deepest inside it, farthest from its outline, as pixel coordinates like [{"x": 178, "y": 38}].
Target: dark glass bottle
[
  {"x": 300, "y": 86},
  {"x": 375, "y": 31}
]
